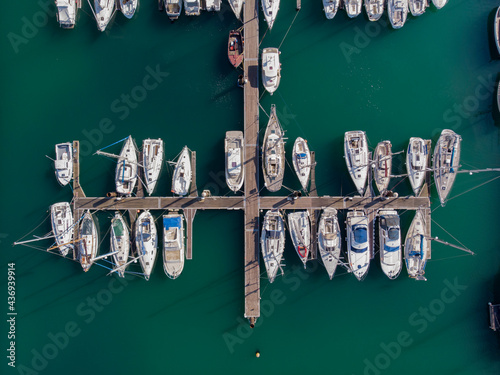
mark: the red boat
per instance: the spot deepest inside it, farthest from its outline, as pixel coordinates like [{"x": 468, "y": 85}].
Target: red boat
[{"x": 235, "y": 48}]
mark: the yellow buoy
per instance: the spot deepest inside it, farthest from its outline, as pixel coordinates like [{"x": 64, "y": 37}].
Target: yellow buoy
[{"x": 257, "y": 354}]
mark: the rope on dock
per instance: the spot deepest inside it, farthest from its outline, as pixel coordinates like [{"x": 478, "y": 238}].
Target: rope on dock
[{"x": 296, "y": 14}]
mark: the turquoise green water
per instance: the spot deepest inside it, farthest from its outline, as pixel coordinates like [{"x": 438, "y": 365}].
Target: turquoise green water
[{"x": 437, "y": 72}]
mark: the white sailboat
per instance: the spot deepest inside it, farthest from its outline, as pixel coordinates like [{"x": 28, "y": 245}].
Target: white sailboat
[
  {"x": 212, "y": 5},
  {"x": 273, "y": 153},
  {"x": 301, "y": 158},
  {"x": 439, "y": 3},
  {"x": 299, "y": 224},
  {"x": 88, "y": 241},
  {"x": 64, "y": 163},
  {"x": 417, "y": 247},
  {"x": 152, "y": 161},
  {"x": 446, "y": 161},
  {"x": 353, "y": 7},
  {"x": 146, "y": 242},
  {"x": 358, "y": 252},
  {"x": 66, "y": 13},
  {"x": 126, "y": 168},
  {"x": 270, "y": 9},
  {"x": 271, "y": 69},
  {"x": 173, "y": 245},
  {"x": 192, "y": 7},
  {"x": 181, "y": 180},
  {"x": 128, "y": 7},
  {"x": 61, "y": 219},
  {"x": 398, "y": 12},
  {"x": 272, "y": 241},
  {"x": 120, "y": 243},
  {"x": 233, "y": 147},
  {"x": 496, "y": 27},
  {"x": 173, "y": 8},
  {"x": 374, "y": 9},
  {"x": 104, "y": 10},
  {"x": 331, "y": 7},
  {"x": 356, "y": 158},
  {"x": 382, "y": 165},
  {"x": 236, "y": 6},
  {"x": 417, "y": 7},
  {"x": 390, "y": 243},
  {"x": 329, "y": 240},
  {"x": 417, "y": 159}
]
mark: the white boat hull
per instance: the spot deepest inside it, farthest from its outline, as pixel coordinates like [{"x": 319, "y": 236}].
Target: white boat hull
[
  {"x": 64, "y": 163},
  {"x": 417, "y": 7},
  {"x": 270, "y": 9},
  {"x": 146, "y": 242},
  {"x": 173, "y": 245},
  {"x": 236, "y": 6},
  {"x": 192, "y": 7},
  {"x": 66, "y": 13},
  {"x": 271, "y": 69},
  {"x": 120, "y": 243},
  {"x": 173, "y": 8},
  {"x": 273, "y": 153},
  {"x": 358, "y": 246},
  {"x": 417, "y": 161},
  {"x": 128, "y": 7},
  {"x": 104, "y": 10},
  {"x": 446, "y": 162},
  {"x": 126, "y": 168},
  {"x": 272, "y": 243},
  {"x": 390, "y": 243},
  {"x": 88, "y": 241},
  {"x": 181, "y": 180},
  {"x": 353, "y": 7},
  {"x": 62, "y": 226},
  {"x": 417, "y": 247},
  {"x": 329, "y": 240},
  {"x": 299, "y": 224},
  {"x": 234, "y": 160},
  {"x": 331, "y": 7},
  {"x": 374, "y": 9},
  {"x": 152, "y": 161},
  {"x": 383, "y": 165},
  {"x": 301, "y": 158},
  {"x": 356, "y": 157},
  {"x": 439, "y": 3},
  {"x": 398, "y": 12}
]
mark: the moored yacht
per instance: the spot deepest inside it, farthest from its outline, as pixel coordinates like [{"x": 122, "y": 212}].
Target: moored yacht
[
  {"x": 398, "y": 12},
  {"x": 417, "y": 247},
  {"x": 497, "y": 29},
  {"x": 353, "y": 7},
  {"x": 329, "y": 240},
  {"x": 173, "y": 245},
  {"x": 233, "y": 146},
  {"x": 331, "y": 7},
  {"x": 358, "y": 246},
  {"x": 88, "y": 241},
  {"x": 236, "y": 6},
  {"x": 273, "y": 153},
  {"x": 417, "y": 160},
  {"x": 301, "y": 158},
  {"x": 128, "y": 7},
  {"x": 417, "y": 7},
  {"x": 445, "y": 162},
  {"x": 270, "y": 9},
  {"x": 64, "y": 163},
  {"x": 212, "y": 5},
  {"x": 192, "y": 7},
  {"x": 299, "y": 225},
  {"x": 104, "y": 10},
  {"x": 126, "y": 168},
  {"x": 61, "y": 219},
  {"x": 152, "y": 161},
  {"x": 272, "y": 242},
  {"x": 356, "y": 158},
  {"x": 390, "y": 243},
  {"x": 66, "y": 13},
  {"x": 120, "y": 243},
  {"x": 271, "y": 69},
  {"x": 374, "y": 9},
  {"x": 439, "y": 3},
  {"x": 181, "y": 180},
  {"x": 382, "y": 165},
  {"x": 146, "y": 242},
  {"x": 173, "y": 8}
]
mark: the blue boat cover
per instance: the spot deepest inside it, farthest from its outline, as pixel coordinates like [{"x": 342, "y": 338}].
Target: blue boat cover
[
  {"x": 360, "y": 234},
  {"x": 172, "y": 222},
  {"x": 391, "y": 249}
]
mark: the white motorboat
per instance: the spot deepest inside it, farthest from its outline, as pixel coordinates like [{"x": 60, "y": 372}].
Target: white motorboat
[
  {"x": 236, "y": 6},
  {"x": 390, "y": 243},
  {"x": 497, "y": 29},
  {"x": 417, "y": 7},
  {"x": 329, "y": 240},
  {"x": 417, "y": 161},
  {"x": 331, "y": 7},
  {"x": 273, "y": 153},
  {"x": 173, "y": 245},
  {"x": 104, "y": 10},
  {"x": 301, "y": 158},
  {"x": 358, "y": 246},
  {"x": 212, "y": 5},
  {"x": 192, "y": 7},
  {"x": 128, "y": 7},
  {"x": 181, "y": 180},
  {"x": 374, "y": 9},
  {"x": 270, "y": 9},
  {"x": 353, "y": 7},
  {"x": 152, "y": 161},
  {"x": 417, "y": 247},
  {"x": 120, "y": 243},
  {"x": 146, "y": 242},
  {"x": 398, "y": 12},
  {"x": 439, "y": 3},
  {"x": 88, "y": 241},
  {"x": 64, "y": 163},
  {"x": 299, "y": 225},
  {"x": 272, "y": 241},
  {"x": 61, "y": 219},
  {"x": 271, "y": 69},
  {"x": 233, "y": 147},
  {"x": 66, "y": 13},
  {"x": 445, "y": 163},
  {"x": 173, "y": 8},
  {"x": 126, "y": 168},
  {"x": 356, "y": 158},
  {"x": 382, "y": 164}
]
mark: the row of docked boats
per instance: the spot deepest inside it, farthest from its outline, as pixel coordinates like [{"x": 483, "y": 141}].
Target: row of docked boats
[
  {"x": 359, "y": 246},
  {"x": 397, "y": 10},
  {"x": 85, "y": 247},
  {"x": 445, "y": 160}
]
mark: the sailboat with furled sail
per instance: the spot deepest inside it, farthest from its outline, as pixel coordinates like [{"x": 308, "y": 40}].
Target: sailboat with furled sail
[
  {"x": 301, "y": 157},
  {"x": 356, "y": 158},
  {"x": 417, "y": 247},
  {"x": 120, "y": 243},
  {"x": 417, "y": 159},
  {"x": 146, "y": 242},
  {"x": 273, "y": 153},
  {"x": 382, "y": 165},
  {"x": 64, "y": 163},
  {"x": 331, "y": 7},
  {"x": 329, "y": 240},
  {"x": 152, "y": 161},
  {"x": 417, "y": 7},
  {"x": 128, "y": 7},
  {"x": 272, "y": 242},
  {"x": 374, "y": 9},
  {"x": 126, "y": 168},
  {"x": 181, "y": 179},
  {"x": 358, "y": 246},
  {"x": 88, "y": 241},
  {"x": 299, "y": 224},
  {"x": 352, "y": 7},
  {"x": 446, "y": 161},
  {"x": 62, "y": 226},
  {"x": 270, "y": 9},
  {"x": 398, "y": 12},
  {"x": 236, "y": 6},
  {"x": 103, "y": 11}
]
